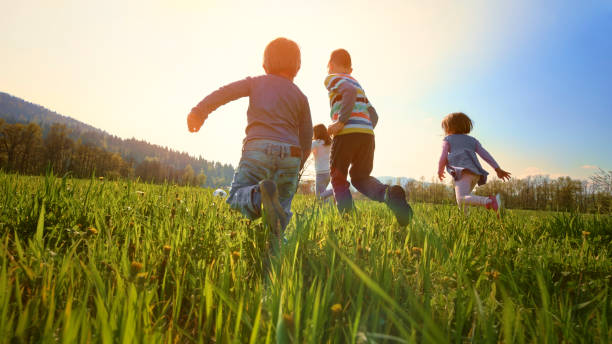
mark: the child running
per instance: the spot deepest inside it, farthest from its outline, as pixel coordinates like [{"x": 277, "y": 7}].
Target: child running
[
  {"x": 459, "y": 157},
  {"x": 321, "y": 145},
  {"x": 354, "y": 120},
  {"x": 278, "y": 135}
]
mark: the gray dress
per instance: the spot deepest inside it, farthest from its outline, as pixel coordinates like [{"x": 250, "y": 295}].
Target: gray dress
[{"x": 462, "y": 156}]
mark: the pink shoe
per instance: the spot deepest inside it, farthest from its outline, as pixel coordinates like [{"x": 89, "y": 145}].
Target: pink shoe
[{"x": 494, "y": 204}]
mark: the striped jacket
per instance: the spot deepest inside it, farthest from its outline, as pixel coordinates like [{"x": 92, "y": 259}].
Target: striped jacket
[{"x": 359, "y": 120}]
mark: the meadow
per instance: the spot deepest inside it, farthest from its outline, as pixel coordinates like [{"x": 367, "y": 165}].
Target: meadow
[{"x": 88, "y": 261}]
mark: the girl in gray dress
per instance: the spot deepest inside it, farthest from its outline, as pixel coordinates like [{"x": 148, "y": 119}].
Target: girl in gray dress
[{"x": 459, "y": 157}]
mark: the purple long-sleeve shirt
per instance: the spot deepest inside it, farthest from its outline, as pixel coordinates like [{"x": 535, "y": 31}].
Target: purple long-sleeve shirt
[{"x": 278, "y": 110}]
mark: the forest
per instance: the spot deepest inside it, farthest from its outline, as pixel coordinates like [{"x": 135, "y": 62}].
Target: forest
[
  {"x": 25, "y": 150},
  {"x": 33, "y": 139},
  {"x": 532, "y": 193}
]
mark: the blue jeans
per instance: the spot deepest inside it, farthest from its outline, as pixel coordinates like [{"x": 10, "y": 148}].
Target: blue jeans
[{"x": 264, "y": 159}]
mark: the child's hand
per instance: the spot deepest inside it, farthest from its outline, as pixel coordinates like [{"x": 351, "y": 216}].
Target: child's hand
[
  {"x": 335, "y": 128},
  {"x": 194, "y": 121},
  {"x": 501, "y": 174},
  {"x": 441, "y": 174}
]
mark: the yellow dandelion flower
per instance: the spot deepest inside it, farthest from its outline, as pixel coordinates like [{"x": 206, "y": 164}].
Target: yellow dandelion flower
[
  {"x": 236, "y": 254},
  {"x": 288, "y": 318},
  {"x": 336, "y": 309},
  {"x": 585, "y": 233},
  {"x": 167, "y": 249},
  {"x": 92, "y": 231},
  {"x": 135, "y": 267}
]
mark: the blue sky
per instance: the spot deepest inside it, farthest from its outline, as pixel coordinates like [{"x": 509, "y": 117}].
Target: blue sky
[
  {"x": 563, "y": 104},
  {"x": 534, "y": 76},
  {"x": 548, "y": 101}
]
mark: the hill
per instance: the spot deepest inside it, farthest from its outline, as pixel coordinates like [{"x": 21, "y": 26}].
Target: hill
[{"x": 16, "y": 110}]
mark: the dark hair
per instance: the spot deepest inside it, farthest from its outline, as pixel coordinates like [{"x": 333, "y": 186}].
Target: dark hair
[
  {"x": 320, "y": 133},
  {"x": 457, "y": 123},
  {"x": 282, "y": 56},
  {"x": 340, "y": 57}
]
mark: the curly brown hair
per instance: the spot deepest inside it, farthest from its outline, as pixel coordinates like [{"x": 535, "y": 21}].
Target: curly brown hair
[
  {"x": 320, "y": 133},
  {"x": 457, "y": 123}
]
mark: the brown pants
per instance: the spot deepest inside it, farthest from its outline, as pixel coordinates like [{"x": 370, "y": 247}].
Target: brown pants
[{"x": 353, "y": 154}]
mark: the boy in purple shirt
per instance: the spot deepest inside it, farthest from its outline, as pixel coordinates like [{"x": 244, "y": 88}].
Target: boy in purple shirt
[{"x": 278, "y": 135}]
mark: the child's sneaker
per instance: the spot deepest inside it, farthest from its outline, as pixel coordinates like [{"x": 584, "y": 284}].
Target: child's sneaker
[
  {"x": 395, "y": 198},
  {"x": 495, "y": 203},
  {"x": 272, "y": 209}
]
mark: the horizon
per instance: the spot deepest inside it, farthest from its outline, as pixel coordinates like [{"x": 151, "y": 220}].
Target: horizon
[
  {"x": 151, "y": 64},
  {"x": 310, "y": 176}
]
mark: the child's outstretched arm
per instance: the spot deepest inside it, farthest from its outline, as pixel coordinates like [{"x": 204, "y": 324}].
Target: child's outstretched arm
[
  {"x": 349, "y": 96},
  {"x": 501, "y": 174},
  {"x": 443, "y": 159},
  {"x": 223, "y": 95}
]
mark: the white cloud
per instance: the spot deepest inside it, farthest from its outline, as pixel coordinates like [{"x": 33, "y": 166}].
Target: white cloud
[
  {"x": 532, "y": 171},
  {"x": 536, "y": 171}
]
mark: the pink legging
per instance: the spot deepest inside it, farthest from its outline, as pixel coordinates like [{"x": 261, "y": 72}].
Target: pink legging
[{"x": 463, "y": 191}]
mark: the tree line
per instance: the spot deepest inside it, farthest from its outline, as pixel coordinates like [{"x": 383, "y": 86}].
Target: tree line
[
  {"x": 149, "y": 161},
  {"x": 25, "y": 149},
  {"x": 534, "y": 193}
]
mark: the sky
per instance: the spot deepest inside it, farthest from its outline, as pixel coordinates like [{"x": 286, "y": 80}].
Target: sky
[{"x": 533, "y": 76}]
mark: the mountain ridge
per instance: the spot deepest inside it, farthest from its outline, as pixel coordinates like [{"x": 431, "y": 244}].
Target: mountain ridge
[{"x": 17, "y": 110}]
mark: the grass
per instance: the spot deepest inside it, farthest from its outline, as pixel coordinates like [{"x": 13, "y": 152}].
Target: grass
[{"x": 102, "y": 261}]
